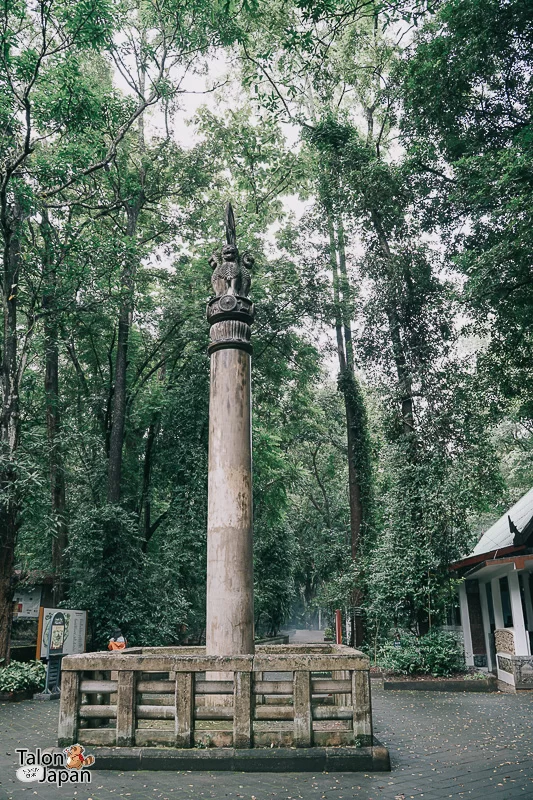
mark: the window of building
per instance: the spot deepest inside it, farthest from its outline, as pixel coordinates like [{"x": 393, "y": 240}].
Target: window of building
[{"x": 506, "y": 603}]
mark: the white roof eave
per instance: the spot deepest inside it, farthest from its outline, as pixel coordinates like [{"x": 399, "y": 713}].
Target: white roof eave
[{"x": 499, "y": 535}]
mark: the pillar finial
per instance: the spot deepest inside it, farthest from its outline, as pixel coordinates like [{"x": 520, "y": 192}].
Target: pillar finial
[
  {"x": 230, "y": 312},
  {"x": 231, "y": 232}
]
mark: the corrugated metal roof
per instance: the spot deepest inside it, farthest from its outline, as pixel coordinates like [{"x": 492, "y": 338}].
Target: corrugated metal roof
[{"x": 499, "y": 535}]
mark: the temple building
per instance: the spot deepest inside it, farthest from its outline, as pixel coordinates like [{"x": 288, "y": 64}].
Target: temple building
[{"x": 496, "y": 597}]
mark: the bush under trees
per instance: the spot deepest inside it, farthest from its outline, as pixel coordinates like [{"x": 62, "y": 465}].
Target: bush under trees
[{"x": 436, "y": 653}]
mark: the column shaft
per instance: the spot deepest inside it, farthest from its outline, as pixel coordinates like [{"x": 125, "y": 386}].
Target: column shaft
[{"x": 230, "y": 620}]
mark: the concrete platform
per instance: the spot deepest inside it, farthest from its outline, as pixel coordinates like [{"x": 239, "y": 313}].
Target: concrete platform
[
  {"x": 228, "y": 759},
  {"x": 444, "y": 685}
]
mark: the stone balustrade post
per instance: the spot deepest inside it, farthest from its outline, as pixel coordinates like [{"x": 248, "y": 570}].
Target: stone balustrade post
[
  {"x": 68, "y": 710},
  {"x": 184, "y": 709},
  {"x": 361, "y": 704},
  {"x": 303, "y": 721},
  {"x": 126, "y": 702},
  {"x": 242, "y": 710}
]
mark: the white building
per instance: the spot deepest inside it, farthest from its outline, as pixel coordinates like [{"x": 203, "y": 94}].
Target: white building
[{"x": 496, "y": 597}]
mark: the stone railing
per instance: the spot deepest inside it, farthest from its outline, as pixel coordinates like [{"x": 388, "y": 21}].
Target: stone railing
[
  {"x": 523, "y": 672},
  {"x": 520, "y": 667},
  {"x": 285, "y": 695}
]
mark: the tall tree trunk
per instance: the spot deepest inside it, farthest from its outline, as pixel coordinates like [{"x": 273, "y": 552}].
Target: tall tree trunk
[
  {"x": 118, "y": 419},
  {"x": 9, "y": 426},
  {"x": 349, "y": 387},
  {"x": 405, "y": 386},
  {"x": 57, "y": 476},
  {"x": 344, "y": 285},
  {"x": 358, "y": 423},
  {"x": 405, "y": 382},
  {"x": 116, "y": 439},
  {"x": 145, "y": 504},
  {"x": 53, "y": 417}
]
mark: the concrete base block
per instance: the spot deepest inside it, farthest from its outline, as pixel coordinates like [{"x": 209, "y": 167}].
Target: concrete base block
[
  {"x": 444, "y": 685},
  {"x": 16, "y": 696},
  {"x": 228, "y": 759},
  {"x": 47, "y": 696}
]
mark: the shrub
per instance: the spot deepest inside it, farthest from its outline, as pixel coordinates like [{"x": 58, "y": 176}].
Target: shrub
[
  {"x": 441, "y": 653},
  {"x": 405, "y": 660},
  {"x": 18, "y": 675},
  {"x": 437, "y": 653}
]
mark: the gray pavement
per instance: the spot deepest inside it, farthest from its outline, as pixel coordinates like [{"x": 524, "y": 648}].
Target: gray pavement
[
  {"x": 305, "y": 636},
  {"x": 443, "y": 745}
]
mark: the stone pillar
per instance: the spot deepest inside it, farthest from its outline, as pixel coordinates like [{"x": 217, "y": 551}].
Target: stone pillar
[
  {"x": 521, "y": 638},
  {"x": 497, "y": 603},
  {"x": 230, "y": 612},
  {"x": 486, "y": 625},
  {"x": 465, "y": 622},
  {"x": 528, "y": 599}
]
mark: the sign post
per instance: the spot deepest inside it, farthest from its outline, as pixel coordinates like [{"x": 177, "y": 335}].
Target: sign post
[
  {"x": 61, "y": 632},
  {"x": 338, "y": 626},
  {"x": 56, "y": 639}
]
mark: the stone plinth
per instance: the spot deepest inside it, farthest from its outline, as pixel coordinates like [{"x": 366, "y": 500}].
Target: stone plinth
[{"x": 151, "y": 697}]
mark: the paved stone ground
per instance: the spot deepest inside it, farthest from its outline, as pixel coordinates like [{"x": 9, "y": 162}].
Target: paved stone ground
[
  {"x": 443, "y": 745},
  {"x": 305, "y": 636}
]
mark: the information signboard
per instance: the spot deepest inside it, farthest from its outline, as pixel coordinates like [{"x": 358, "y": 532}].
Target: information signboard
[
  {"x": 75, "y": 631},
  {"x": 26, "y": 602}
]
